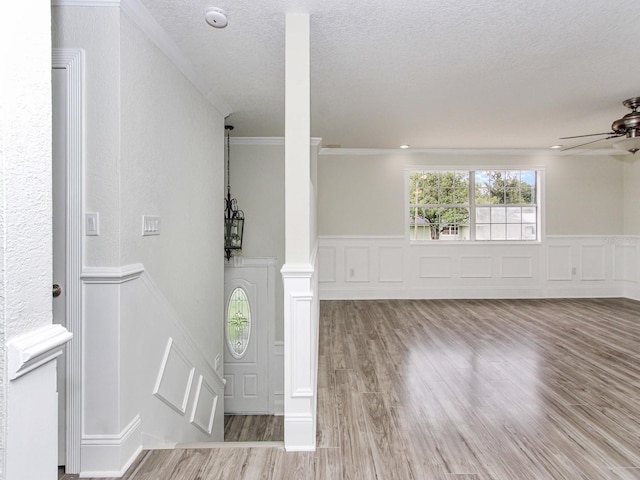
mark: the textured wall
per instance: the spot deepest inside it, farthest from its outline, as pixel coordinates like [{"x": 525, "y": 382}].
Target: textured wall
[
  {"x": 257, "y": 182},
  {"x": 172, "y": 166},
  {"x": 97, "y": 31},
  {"x": 364, "y": 195},
  {"x": 25, "y": 180}
]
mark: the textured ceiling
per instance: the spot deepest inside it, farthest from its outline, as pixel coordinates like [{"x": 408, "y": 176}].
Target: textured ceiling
[{"x": 429, "y": 73}]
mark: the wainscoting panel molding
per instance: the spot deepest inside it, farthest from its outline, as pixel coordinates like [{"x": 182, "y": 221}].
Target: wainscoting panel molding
[
  {"x": 475, "y": 267},
  {"x": 560, "y": 262},
  {"x": 560, "y": 266},
  {"x": 391, "y": 264},
  {"x": 301, "y": 379},
  {"x": 327, "y": 261},
  {"x": 174, "y": 379},
  {"x": 356, "y": 264},
  {"x": 436, "y": 267},
  {"x": 626, "y": 263},
  {"x": 516, "y": 267},
  {"x": 592, "y": 262},
  {"x": 204, "y": 407},
  {"x": 139, "y": 358}
]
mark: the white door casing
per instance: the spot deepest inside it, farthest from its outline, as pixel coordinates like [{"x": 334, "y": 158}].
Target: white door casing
[
  {"x": 247, "y": 377},
  {"x": 69, "y": 62},
  {"x": 59, "y": 190}
]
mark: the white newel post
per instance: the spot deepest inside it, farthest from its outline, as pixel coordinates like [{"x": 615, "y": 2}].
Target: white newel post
[{"x": 298, "y": 273}]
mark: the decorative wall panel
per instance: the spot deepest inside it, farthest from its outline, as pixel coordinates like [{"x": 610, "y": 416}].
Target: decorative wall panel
[
  {"x": 301, "y": 333},
  {"x": 592, "y": 262},
  {"x": 560, "y": 262},
  {"x": 356, "y": 264},
  {"x": 626, "y": 263},
  {"x": 327, "y": 264},
  {"x": 390, "y": 264},
  {"x": 204, "y": 407},
  {"x": 435, "y": 267},
  {"x": 516, "y": 267},
  {"x": 475, "y": 267},
  {"x": 174, "y": 378}
]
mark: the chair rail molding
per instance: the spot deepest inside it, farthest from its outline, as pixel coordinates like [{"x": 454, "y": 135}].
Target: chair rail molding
[{"x": 31, "y": 350}]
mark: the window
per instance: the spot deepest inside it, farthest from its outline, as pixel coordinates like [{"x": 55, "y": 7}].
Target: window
[{"x": 473, "y": 205}]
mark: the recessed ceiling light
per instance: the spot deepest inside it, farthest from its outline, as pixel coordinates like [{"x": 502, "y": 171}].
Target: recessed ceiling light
[
  {"x": 405, "y": 146},
  {"x": 555, "y": 147}
]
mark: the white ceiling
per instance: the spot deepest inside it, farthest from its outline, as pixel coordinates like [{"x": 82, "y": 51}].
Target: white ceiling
[{"x": 429, "y": 73}]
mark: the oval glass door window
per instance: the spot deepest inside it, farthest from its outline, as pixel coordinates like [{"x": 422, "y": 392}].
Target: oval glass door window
[{"x": 238, "y": 323}]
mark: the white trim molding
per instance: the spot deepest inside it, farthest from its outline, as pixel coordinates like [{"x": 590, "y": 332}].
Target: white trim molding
[
  {"x": 268, "y": 141},
  {"x": 300, "y": 356},
  {"x": 102, "y": 452},
  {"x": 72, "y": 61},
  {"x": 559, "y": 266},
  {"x": 31, "y": 350},
  {"x": 112, "y": 275}
]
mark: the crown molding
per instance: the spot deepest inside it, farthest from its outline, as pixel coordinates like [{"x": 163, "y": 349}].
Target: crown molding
[
  {"x": 148, "y": 24},
  {"x": 85, "y": 3},
  {"x": 267, "y": 141},
  {"x": 464, "y": 151},
  {"x": 158, "y": 35}
]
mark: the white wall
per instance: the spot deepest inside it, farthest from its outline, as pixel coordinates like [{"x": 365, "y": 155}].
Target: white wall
[
  {"x": 364, "y": 194},
  {"x": 171, "y": 159},
  {"x": 257, "y": 182},
  {"x": 632, "y": 195},
  {"x": 97, "y": 31},
  {"x": 365, "y": 254},
  {"x": 25, "y": 235},
  {"x": 153, "y": 147}
]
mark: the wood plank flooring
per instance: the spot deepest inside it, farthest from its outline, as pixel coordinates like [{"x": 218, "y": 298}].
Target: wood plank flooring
[
  {"x": 253, "y": 428},
  {"x": 457, "y": 389}
]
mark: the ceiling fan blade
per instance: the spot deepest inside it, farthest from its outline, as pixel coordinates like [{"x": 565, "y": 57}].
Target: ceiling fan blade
[
  {"x": 588, "y": 143},
  {"x": 590, "y": 135}
]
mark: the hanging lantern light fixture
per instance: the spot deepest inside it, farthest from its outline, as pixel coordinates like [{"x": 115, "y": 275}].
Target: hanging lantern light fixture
[{"x": 233, "y": 217}]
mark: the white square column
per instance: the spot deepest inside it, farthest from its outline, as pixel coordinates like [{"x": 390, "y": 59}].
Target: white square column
[{"x": 299, "y": 271}]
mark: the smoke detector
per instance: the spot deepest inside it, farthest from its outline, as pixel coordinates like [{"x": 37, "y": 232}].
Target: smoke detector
[{"x": 216, "y": 17}]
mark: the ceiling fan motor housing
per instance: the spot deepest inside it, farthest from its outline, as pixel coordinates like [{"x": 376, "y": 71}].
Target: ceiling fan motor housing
[{"x": 630, "y": 123}]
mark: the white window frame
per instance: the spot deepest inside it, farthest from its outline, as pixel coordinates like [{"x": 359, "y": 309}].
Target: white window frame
[{"x": 540, "y": 202}]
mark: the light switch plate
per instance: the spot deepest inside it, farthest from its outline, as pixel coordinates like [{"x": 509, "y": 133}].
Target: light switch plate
[
  {"x": 92, "y": 224},
  {"x": 150, "y": 225}
]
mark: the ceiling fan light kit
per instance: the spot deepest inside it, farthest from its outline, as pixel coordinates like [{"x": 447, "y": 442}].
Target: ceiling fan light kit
[{"x": 627, "y": 126}]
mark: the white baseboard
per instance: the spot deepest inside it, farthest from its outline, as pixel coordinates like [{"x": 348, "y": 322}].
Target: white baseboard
[
  {"x": 106, "y": 456},
  {"x": 299, "y": 433}
]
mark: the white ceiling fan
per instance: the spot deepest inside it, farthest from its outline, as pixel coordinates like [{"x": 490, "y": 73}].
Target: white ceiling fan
[{"x": 627, "y": 126}]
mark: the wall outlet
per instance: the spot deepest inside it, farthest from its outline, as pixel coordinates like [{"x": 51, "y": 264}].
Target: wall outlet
[
  {"x": 573, "y": 271},
  {"x": 150, "y": 225},
  {"x": 352, "y": 272},
  {"x": 217, "y": 362}
]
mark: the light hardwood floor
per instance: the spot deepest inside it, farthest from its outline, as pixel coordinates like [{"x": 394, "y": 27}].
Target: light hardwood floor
[
  {"x": 451, "y": 389},
  {"x": 253, "y": 428}
]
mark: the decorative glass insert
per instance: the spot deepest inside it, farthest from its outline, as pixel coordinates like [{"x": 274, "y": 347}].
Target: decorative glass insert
[{"x": 238, "y": 323}]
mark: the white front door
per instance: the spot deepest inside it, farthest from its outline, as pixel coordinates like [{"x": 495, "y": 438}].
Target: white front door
[
  {"x": 59, "y": 185},
  {"x": 246, "y": 353}
]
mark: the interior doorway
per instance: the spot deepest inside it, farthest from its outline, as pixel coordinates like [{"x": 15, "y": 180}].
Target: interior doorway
[
  {"x": 67, "y": 158},
  {"x": 59, "y": 85},
  {"x": 250, "y": 413}
]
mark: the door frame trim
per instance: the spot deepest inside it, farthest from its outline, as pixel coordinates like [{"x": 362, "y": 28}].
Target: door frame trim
[{"x": 72, "y": 60}]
